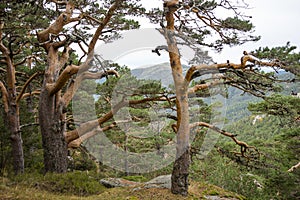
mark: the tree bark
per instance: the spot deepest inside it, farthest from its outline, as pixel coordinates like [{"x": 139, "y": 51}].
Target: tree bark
[
  {"x": 11, "y": 106},
  {"x": 52, "y": 129},
  {"x": 52, "y": 119},
  {"x": 179, "y": 179}
]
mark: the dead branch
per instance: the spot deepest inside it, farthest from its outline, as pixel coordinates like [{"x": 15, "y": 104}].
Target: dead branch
[
  {"x": 244, "y": 146},
  {"x": 91, "y": 75},
  {"x": 76, "y": 143},
  {"x": 20, "y": 96},
  {"x": 27, "y": 125},
  {"x": 294, "y": 167},
  {"x": 4, "y": 96},
  {"x": 34, "y": 93},
  {"x": 3, "y": 49}
]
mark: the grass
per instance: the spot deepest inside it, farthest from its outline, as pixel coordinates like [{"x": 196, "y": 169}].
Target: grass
[{"x": 30, "y": 189}]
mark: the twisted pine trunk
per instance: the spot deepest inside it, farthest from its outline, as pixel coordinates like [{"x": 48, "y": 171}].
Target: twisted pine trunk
[{"x": 51, "y": 120}]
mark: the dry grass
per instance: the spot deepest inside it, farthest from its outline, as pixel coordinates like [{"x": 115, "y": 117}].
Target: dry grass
[{"x": 196, "y": 191}]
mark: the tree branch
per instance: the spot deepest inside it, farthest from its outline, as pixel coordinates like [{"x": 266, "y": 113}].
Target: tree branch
[
  {"x": 244, "y": 146},
  {"x": 4, "y": 96},
  {"x": 102, "y": 25},
  {"x": 76, "y": 143},
  {"x": 246, "y": 58},
  {"x": 91, "y": 75},
  {"x": 3, "y": 49},
  {"x": 88, "y": 126},
  {"x": 27, "y": 125},
  {"x": 19, "y": 97},
  {"x": 203, "y": 86},
  {"x": 37, "y": 92},
  {"x": 57, "y": 26},
  {"x": 294, "y": 167},
  {"x": 62, "y": 79}
]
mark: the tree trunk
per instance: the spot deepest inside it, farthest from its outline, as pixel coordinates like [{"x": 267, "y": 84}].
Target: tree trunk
[
  {"x": 52, "y": 129},
  {"x": 179, "y": 180},
  {"x": 180, "y": 174},
  {"x": 51, "y": 119},
  {"x": 11, "y": 106},
  {"x": 15, "y": 136},
  {"x": 181, "y": 165}
]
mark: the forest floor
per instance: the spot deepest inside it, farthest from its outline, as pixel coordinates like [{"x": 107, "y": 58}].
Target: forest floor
[{"x": 11, "y": 190}]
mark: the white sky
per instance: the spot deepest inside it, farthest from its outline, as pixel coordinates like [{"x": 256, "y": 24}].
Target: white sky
[{"x": 276, "y": 21}]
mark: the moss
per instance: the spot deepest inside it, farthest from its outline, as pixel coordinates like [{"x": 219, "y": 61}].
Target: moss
[
  {"x": 77, "y": 183},
  {"x": 135, "y": 178}
]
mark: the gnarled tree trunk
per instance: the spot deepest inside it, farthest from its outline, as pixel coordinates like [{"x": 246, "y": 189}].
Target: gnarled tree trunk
[
  {"x": 181, "y": 165},
  {"x": 11, "y": 107},
  {"x": 52, "y": 129},
  {"x": 51, "y": 119}
]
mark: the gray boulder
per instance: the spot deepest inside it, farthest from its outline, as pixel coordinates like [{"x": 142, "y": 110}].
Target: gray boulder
[
  {"x": 117, "y": 182},
  {"x": 163, "y": 181}
]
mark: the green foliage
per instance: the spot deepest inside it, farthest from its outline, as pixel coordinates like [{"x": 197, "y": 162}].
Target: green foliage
[
  {"x": 276, "y": 104},
  {"x": 76, "y": 183},
  {"x": 81, "y": 160},
  {"x": 136, "y": 178},
  {"x": 236, "y": 23},
  {"x": 207, "y": 23},
  {"x": 286, "y": 54}
]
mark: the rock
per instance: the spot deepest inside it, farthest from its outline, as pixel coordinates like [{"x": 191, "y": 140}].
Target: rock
[
  {"x": 218, "y": 198},
  {"x": 117, "y": 182},
  {"x": 163, "y": 181}
]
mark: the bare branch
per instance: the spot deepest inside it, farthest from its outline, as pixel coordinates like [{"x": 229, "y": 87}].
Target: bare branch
[
  {"x": 27, "y": 125},
  {"x": 244, "y": 146},
  {"x": 26, "y": 84},
  {"x": 76, "y": 143},
  {"x": 90, "y": 75},
  {"x": 4, "y": 96},
  {"x": 36, "y": 92},
  {"x": 294, "y": 167},
  {"x": 3, "y": 49}
]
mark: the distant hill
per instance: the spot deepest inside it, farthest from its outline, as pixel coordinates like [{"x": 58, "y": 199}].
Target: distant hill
[{"x": 161, "y": 72}]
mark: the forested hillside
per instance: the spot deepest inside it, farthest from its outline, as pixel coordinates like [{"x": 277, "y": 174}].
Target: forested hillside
[{"x": 77, "y": 124}]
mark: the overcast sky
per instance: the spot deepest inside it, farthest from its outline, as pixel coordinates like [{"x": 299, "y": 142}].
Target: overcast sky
[{"x": 276, "y": 21}]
